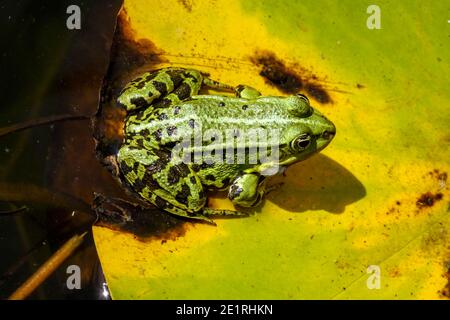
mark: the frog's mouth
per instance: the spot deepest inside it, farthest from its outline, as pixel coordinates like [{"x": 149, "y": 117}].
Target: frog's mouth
[
  {"x": 320, "y": 142},
  {"x": 324, "y": 139}
]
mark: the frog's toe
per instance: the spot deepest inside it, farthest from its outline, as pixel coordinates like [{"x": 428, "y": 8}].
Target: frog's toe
[{"x": 223, "y": 212}]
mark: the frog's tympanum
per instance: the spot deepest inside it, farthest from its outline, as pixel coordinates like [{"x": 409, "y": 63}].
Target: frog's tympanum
[{"x": 221, "y": 142}]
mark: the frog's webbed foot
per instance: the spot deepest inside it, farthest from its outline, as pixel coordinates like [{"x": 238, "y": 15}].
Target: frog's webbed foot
[
  {"x": 213, "y": 84},
  {"x": 222, "y": 212},
  {"x": 210, "y": 212},
  {"x": 247, "y": 190}
]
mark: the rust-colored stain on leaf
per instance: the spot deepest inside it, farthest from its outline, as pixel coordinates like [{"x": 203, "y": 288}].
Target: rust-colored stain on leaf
[
  {"x": 428, "y": 199},
  {"x": 445, "y": 292},
  {"x": 289, "y": 80},
  {"x": 187, "y": 4},
  {"x": 130, "y": 52}
]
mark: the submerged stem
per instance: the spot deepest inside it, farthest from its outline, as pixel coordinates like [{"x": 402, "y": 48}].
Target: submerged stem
[{"x": 40, "y": 122}]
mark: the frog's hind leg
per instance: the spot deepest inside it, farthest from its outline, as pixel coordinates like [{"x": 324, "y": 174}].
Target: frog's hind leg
[
  {"x": 172, "y": 187},
  {"x": 155, "y": 87}
]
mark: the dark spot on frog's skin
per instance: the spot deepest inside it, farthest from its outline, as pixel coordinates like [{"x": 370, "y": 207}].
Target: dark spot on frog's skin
[
  {"x": 176, "y": 78},
  {"x": 287, "y": 80},
  {"x": 139, "y": 185},
  {"x": 139, "y": 115},
  {"x": 244, "y": 107},
  {"x": 195, "y": 167},
  {"x": 171, "y": 130},
  {"x": 192, "y": 123},
  {"x": 140, "y": 143},
  {"x": 145, "y": 132},
  {"x": 192, "y": 179},
  {"x": 206, "y": 165},
  {"x": 176, "y": 110},
  {"x": 183, "y": 195},
  {"x": 428, "y": 199},
  {"x": 170, "y": 145},
  {"x": 150, "y": 76},
  {"x": 139, "y": 102},
  {"x": 160, "y": 202},
  {"x": 183, "y": 91},
  {"x": 226, "y": 181},
  {"x": 157, "y": 166},
  {"x": 183, "y": 169},
  {"x": 210, "y": 177},
  {"x": 221, "y": 104},
  {"x": 163, "y": 116},
  {"x": 164, "y": 103},
  {"x": 125, "y": 168},
  {"x": 173, "y": 175},
  {"x": 161, "y": 87},
  {"x": 150, "y": 182},
  {"x": 140, "y": 85},
  {"x": 190, "y": 76},
  {"x": 158, "y": 134},
  {"x": 235, "y": 191},
  {"x": 201, "y": 194}
]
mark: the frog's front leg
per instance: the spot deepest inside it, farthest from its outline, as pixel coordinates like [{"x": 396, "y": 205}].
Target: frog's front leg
[
  {"x": 241, "y": 91},
  {"x": 247, "y": 190}
]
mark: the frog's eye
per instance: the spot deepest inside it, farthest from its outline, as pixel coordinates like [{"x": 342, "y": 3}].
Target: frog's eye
[
  {"x": 303, "y": 97},
  {"x": 301, "y": 142}
]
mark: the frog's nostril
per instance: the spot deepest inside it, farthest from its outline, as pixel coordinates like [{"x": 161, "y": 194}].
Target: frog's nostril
[{"x": 327, "y": 135}]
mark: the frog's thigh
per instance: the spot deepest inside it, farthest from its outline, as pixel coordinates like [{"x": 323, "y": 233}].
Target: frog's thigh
[
  {"x": 246, "y": 190},
  {"x": 174, "y": 188},
  {"x": 143, "y": 91}
]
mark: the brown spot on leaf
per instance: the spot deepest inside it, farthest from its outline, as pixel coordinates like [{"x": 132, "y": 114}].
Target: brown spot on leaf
[
  {"x": 428, "y": 199},
  {"x": 289, "y": 80},
  {"x": 317, "y": 92},
  {"x": 445, "y": 292},
  {"x": 127, "y": 51},
  {"x": 187, "y": 4}
]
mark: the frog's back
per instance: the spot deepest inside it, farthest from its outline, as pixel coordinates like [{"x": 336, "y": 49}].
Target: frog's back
[{"x": 223, "y": 112}]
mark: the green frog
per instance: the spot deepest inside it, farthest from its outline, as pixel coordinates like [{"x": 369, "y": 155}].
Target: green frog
[{"x": 222, "y": 139}]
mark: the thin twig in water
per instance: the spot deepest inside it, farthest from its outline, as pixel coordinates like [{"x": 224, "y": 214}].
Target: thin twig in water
[{"x": 47, "y": 268}]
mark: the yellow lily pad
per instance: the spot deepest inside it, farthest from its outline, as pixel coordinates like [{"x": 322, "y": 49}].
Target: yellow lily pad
[{"x": 376, "y": 199}]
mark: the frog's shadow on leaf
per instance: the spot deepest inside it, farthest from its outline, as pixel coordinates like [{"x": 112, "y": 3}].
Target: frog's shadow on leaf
[{"x": 318, "y": 183}]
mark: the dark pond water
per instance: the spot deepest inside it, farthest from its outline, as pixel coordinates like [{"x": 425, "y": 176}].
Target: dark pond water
[{"x": 47, "y": 69}]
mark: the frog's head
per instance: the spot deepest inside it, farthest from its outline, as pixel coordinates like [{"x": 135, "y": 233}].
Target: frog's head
[{"x": 308, "y": 132}]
